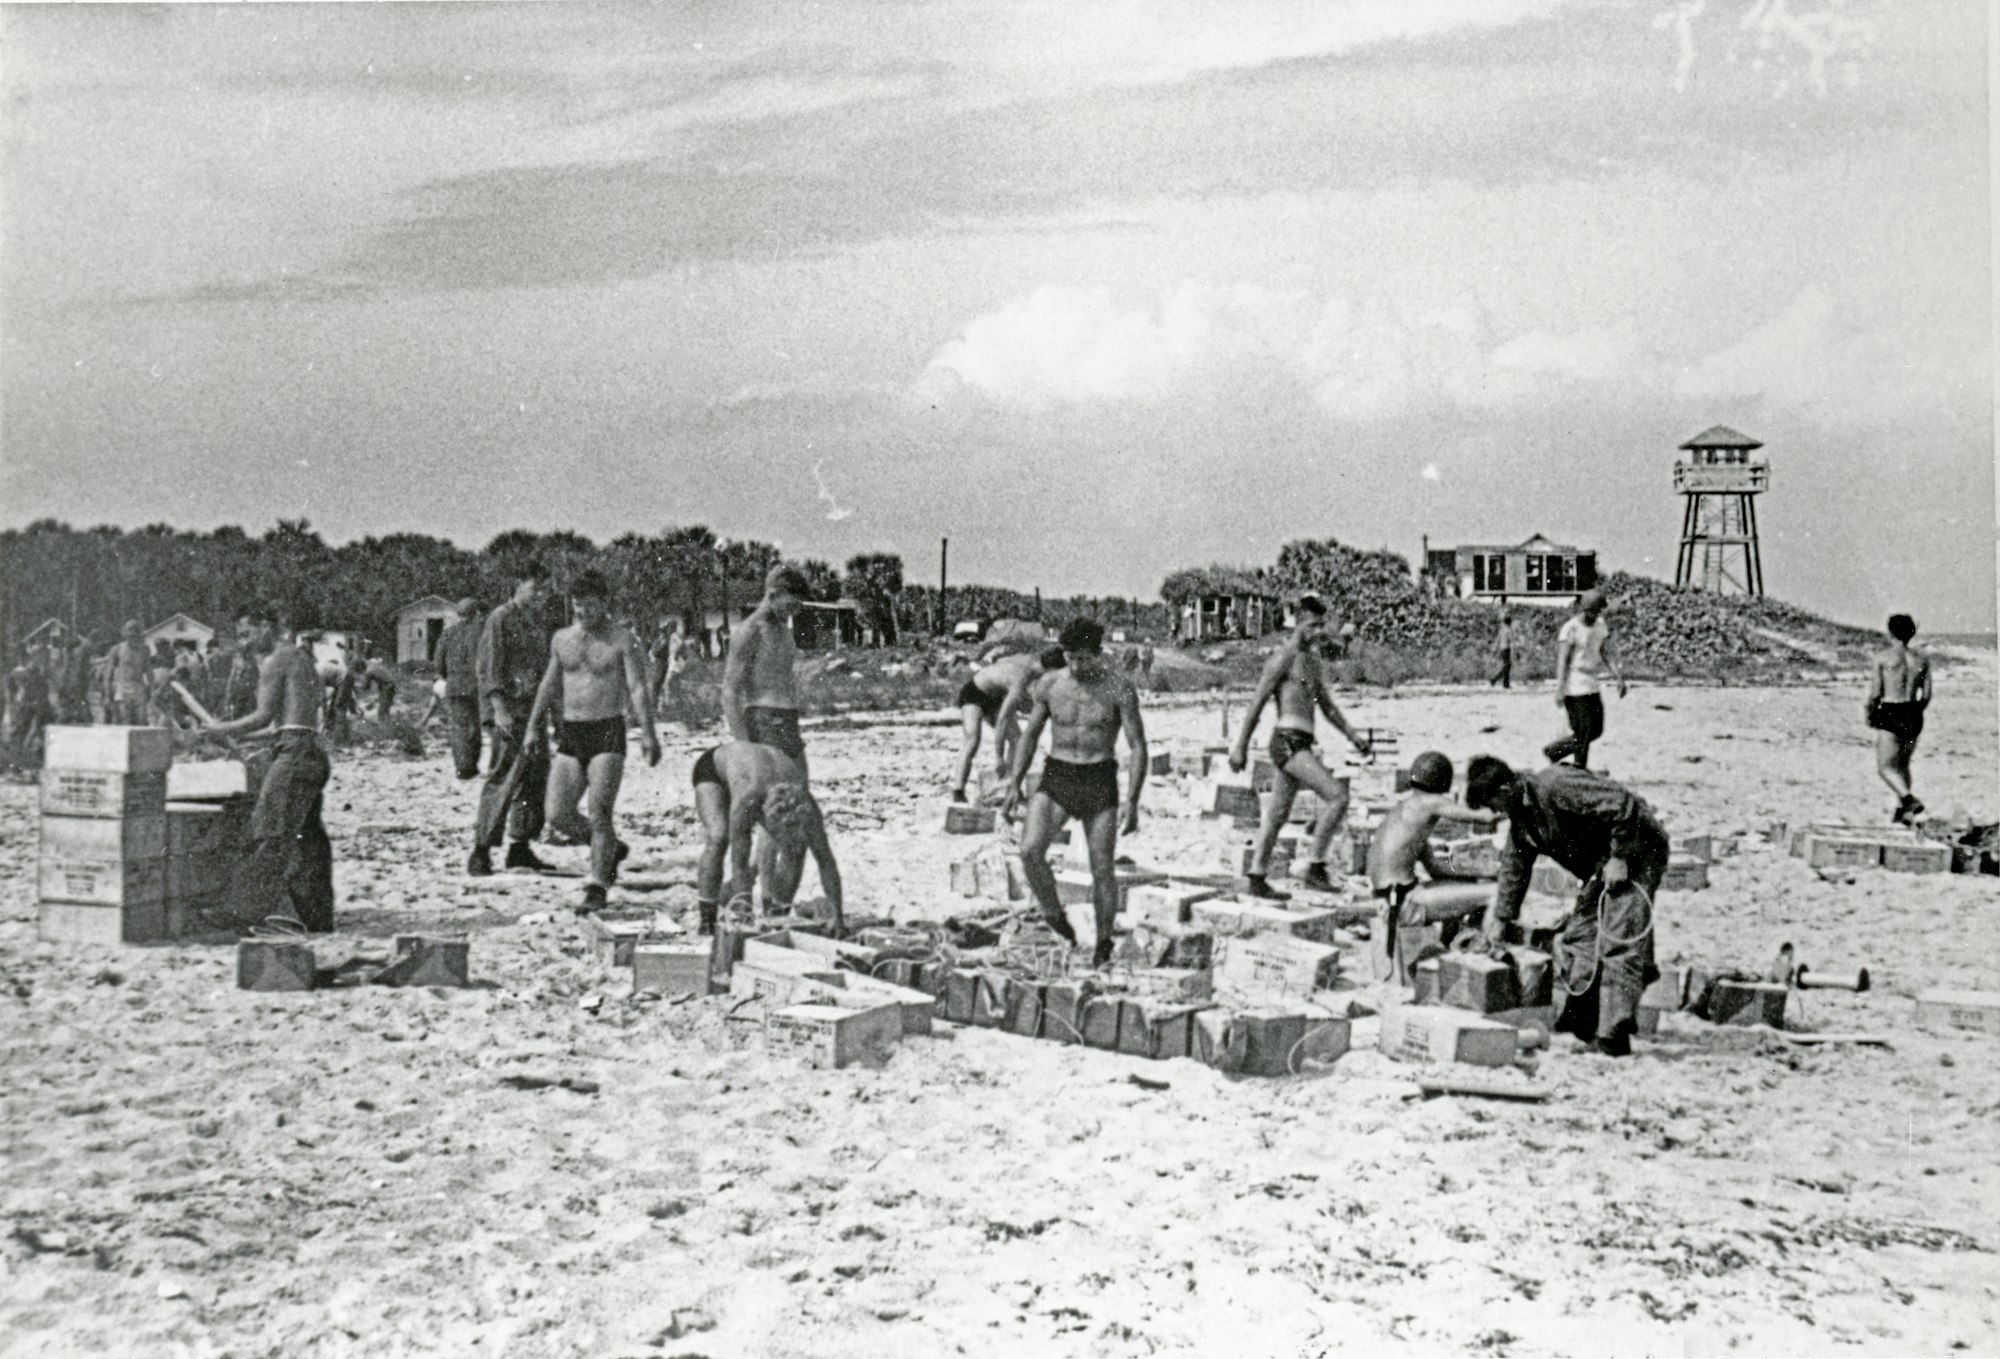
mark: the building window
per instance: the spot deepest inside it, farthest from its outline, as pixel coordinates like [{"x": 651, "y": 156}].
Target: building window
[
  {"x": 1586, "y": 572},
  {"x": 1559, "y": 574},
  {"x": 1489, "y": 572},
  {"x": 1534, "y": 585}
]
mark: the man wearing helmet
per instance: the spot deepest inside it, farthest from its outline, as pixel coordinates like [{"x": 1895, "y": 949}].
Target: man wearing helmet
[
  {"x": 743, "y": 785},
  {"x": 1401, "y": 843},
  {"x": 1294, "y": 678}
]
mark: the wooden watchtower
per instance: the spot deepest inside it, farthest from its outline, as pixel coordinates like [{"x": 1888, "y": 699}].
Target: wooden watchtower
[{"x": 1721, "y": 484}]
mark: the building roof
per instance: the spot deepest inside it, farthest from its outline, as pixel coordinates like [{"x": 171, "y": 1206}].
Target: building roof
[
  {"x": 1534, "y": 543},
  {"x": 165, "y": 623},
  {"x": 1721, "y": 436},
  {"x": 429, "y": 603}
]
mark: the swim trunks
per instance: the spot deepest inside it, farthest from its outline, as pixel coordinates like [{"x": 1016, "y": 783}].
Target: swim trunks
[
  {"x": 705, "y": 770},
  {"x": 989, "y": 705},
  {"x": 1904, "y": 721},
  {"x": 585, "y": 741},
  {"x": 1287, "y": 743},
  {"x": 1082, "y": 790},
  {"x": 777, "y": 728}
]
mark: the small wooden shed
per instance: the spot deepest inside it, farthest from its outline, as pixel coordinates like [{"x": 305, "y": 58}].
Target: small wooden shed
[
  {"x": 420, "y": 625},
  {"x": 180, "y": 628}
]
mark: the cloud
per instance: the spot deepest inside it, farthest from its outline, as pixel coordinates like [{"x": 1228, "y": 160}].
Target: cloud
[
  {"x": 1806, "y": 360},
  {"x": 835, "y": 511},
  {"x": 1357, "y": 362},
  {"x": 1431, "y": 473}
]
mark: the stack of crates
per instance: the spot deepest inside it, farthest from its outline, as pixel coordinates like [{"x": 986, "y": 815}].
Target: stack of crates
[
  {"x": 205, "y": 840},
  {"x": 102, "y": 872}
]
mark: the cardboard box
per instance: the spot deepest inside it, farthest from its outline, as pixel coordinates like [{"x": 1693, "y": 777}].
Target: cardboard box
[
  {"x": 1183, "y": 985},
  {"x": 110, "y": 750},
  {"x": 207, "y": 827},
  {"x": 835, "y": 951},
  {"x": 961, "y": 819},
  {"x": 989, "y": 999},
  {"x": 1269, "y": 1041},
  {"x": 1534, "y": 974},
  {"x": 961, "y": 987},
  {"x": 90, "y": 792},
  {"x": 274, "y": 965},
  {"x": 1929, "y": 858},
  {"x": 916, "y": 1008},
  {"x": 1274, "y": 964},
  {"x": 208, "y": 781},
  {"x": 1748, "y": 1003},
  {"x": 199, "y": 875},
  {"x": 778, "y": 988},
  {"x": 72, "y": 922},
  {"x": 104, "y": 839},
  {"x": 1424, "y": 979},
  {"x": 438, "y": 960},
  {"x": 1062, "y": 1009},
  {"x": 1155, "y": 1029},
  {"x": 1426, "y": 1033},
  {"x": 612, "y": 935},
  {"x": 671, "y": 969},
  {"x": 774, "y": 953},
  {"x": 1166, "y": 903},
  {"x": 831, "y": 1036},
  {"x": 1099, "y": 1015},
  {"x": 1700, "y": 847},
  {"x": 1684, "y": 874},
  {"x": 1551, "y": 879},
  {"x": 1475, "y": 982},
  {"x": 101, "y": 882},
  {"x": 1236, "y": 800},
  {"x": 1978, "y": 1010}
]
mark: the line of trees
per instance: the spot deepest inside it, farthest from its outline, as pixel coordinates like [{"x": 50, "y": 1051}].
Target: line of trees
[{"x": 95, "y": 579}]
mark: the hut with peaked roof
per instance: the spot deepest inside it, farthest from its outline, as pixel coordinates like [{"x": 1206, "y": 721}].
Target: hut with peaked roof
[
  {"x": 1534, "y": 571},
  {"x": 420, "y": 626}
]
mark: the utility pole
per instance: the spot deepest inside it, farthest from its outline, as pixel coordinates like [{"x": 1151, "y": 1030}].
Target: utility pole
[{"x": 944, "y": 559}]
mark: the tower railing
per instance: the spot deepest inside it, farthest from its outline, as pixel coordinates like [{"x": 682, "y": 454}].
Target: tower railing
[{"x": 1721, "y": 478}]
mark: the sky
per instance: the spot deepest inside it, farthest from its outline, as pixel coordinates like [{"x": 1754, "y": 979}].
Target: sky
[{"x": 1095, "y": 289}]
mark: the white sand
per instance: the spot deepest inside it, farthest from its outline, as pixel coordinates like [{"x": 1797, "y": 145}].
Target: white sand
[{"x": 197, "y": 1170}]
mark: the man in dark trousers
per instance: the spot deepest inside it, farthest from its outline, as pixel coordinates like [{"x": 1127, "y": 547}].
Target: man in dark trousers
[
  {"x": 1609, "y": 839},
  {"x": 458, "y": 667},
  {"x": 289, "y": 869},
  {"x": 513, "y": 654},
  {"x": 1503, "y": 647}
]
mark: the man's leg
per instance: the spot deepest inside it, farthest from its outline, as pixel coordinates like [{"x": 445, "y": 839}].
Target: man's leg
[
  {"x": 711, "y": 804},
  {"x": 463, "y": 715},
  {"x": 526, "y": 819},
  {"x": 1625, "y": 951},
  {"x": 606, "y": 773},
  {"x": 1100, "y": 834},
  {"x": 1283, "y": 790},
  {"x": 565, "y": 794},
  {"x": 1889, "y": 764},
  {"x": 312, "y": 874},
  {"x": 497, "y": 795},
  {"x": 1038, "y": 832},
  {"x": 1577, "y": 743},
  {"x": 1306, "y": 769},
  {"x": 969, "y": 718},
  {"x": 1592, "y": 706}
]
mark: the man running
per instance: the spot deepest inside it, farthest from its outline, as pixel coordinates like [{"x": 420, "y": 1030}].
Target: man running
[
  {"x": 1295, "y": 679},
  {"x": 993, "y": 696},
  {"x": 1403, "y": 842},
  {"x": 1583, "y": 650},
  {"x": 1609, "y": 838},
  {"x": 595, "y": 673},
  {"x": 737, "y": 788},
  {"x": 1900, "y": 692},
  {"x": 1089, "y": 703},
  {"x": 458, "y": 667},
  {"x": 289, "y": 869},
  {"x": 513, "y": 654}
]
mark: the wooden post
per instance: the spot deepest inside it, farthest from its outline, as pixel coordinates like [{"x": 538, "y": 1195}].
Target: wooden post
[{"x": 944, "y": 559}]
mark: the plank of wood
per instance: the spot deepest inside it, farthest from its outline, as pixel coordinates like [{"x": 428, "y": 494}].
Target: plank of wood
[
  {"x": 1811, "y": 1039},
  {"x": 1435, "y": 1086}
]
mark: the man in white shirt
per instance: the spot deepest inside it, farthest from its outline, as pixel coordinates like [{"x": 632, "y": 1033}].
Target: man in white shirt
[{"x": 1583, "y": 651}]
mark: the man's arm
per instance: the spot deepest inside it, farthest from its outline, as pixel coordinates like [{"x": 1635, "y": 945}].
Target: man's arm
[
  {"x": 1339, "y": 719},
  {"x": 490, "y": 656},
  {"x": 1517, "y": 863},
  {"x": 547, "y": 694},
  {"x": 1438, "y": 872},
  {"x": 1135, "y": 741},
  {"x": 270, "y": 693},
  {"x": 736, "y": 674},
  {"x": 1921, "y": 690},
  {"x": 1612, "y": 660},
  {"x": 1267, "y": 685},
  {"x": 1017, "y": 694},
  {"x": 641, "y": 692},
  {"x": 1024, "y": 749},
  {"x": 743, "y": 812}
]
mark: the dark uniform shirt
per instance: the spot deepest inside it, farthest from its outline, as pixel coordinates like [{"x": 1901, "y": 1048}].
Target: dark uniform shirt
[
  {"x": 1577, "y": 818},
  {"x": 513, "y": 653},
  {"x": 458, "y": 657}
]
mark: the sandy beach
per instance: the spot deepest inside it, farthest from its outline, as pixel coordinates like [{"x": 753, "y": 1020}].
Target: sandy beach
[{"x": 203, "y": 1171}]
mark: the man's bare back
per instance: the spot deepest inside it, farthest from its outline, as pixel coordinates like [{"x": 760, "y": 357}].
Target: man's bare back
[
  {"x": 1403, "y": 840},
  {"x": 594, "y": 667},
  {"x": 1002, "y": 675},
  {"x": 1904, "y": 674}
]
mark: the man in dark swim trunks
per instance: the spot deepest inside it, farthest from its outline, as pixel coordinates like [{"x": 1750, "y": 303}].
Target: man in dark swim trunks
[
  {"x": 1089, "y": 703},
  {"x": 737, "y": 788},
  {"x": 1295, "y": 679},
  {"x": 1896, "y": 702},
  {"x": 595, "y": 674},
  {"x": 995, "y": 695},
  {"x": 1400, "y": 845},
  {"x": 760, "y": 687}
]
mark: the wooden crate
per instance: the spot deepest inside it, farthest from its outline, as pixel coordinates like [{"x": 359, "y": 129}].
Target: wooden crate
[
  {"x": 961, "y": 819},
  {"x": 1425, "y": 1033},
  {"x": 1826, "y": 851},
  {"x": 1024, "y": 1005},
  {"x": 101, "y": 882},
  {"x": 103, "y": 839},
  {"x": 1977, "y": 1010},
  {"x": 748, "y": 981},
  {"x": 72, "y": 922},
  {"x": 1741, "y": 1003},
  {"x": 1166, "y": 903},
  {"x": 1685, "y": 873},
  {"x": 671, "y": 969},
  {"x": 199, "y": 875},
  {"x": 917, "y": 1009},
  {"x": 1475, "y": 982},
  {"x": 207, "y": 827},
  {"x": 110, "y": 750},
  {"x": 433, "y": 960},
  {"x": 1237, "y": 801},
  {"x": 1155, "y": 1028},
  {"x": 1923, "y": 858},
  {"x": 1274, "y": 964},
  {"x": 831, "y": 1036},
  {"x": 208, "y": 781},
  {"x": 95, "y": 792}
]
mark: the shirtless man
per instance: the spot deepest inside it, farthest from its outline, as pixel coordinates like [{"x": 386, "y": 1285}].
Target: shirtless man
[
  {"x": 595, "y": 673},
  {"x": 1896, "y": 701},
  {"x": 1583, "y": 651},
  {"x": 737, "y": 788},
  {"x": 1400, "y": 844},
  {"x": 289, "y": 868},
  {"x": 994, "y": 695},
  {"x": 670, "y": 658},
  {"x": 1090, "y": 703},
  {"x": 129, "y": 679},
  {"x": 1294, "y": 677},
  {"x": 760, "y": 690}
]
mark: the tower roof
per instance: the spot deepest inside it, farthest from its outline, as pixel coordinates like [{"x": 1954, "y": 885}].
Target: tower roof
[{"x": 1721, "y": 436}]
